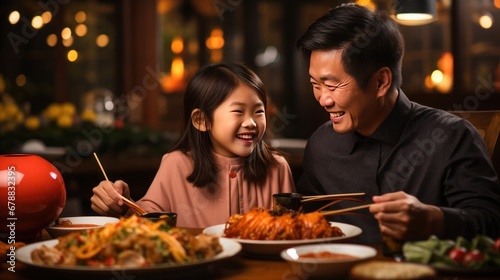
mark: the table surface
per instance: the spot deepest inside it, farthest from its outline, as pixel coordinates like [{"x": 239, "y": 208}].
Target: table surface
[{"x": 237, "y": 267}]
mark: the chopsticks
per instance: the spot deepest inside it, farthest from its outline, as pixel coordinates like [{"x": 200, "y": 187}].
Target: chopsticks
[
  {"x": 334, "y": 212},
  {"x": 336, "y": 198},
  {"x": 100, "y": 165},
  {"x": 136, "y": 208},
  {"x": 329, "y": 196}
]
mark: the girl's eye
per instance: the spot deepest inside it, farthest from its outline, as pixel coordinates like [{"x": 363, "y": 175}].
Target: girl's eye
[{"x": 260, "y": 112}]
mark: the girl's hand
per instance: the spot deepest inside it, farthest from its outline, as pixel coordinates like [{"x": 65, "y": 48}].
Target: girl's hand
[
  {"x": 403, "y": 217},
  {"x": 106, "y": 199}
]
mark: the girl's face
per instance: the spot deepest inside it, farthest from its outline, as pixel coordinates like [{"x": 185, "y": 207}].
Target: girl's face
[{"x": 238, "y": 123}]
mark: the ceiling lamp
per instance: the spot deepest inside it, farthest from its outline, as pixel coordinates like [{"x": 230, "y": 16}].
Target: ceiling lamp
[{"x": 415, "y": 12}]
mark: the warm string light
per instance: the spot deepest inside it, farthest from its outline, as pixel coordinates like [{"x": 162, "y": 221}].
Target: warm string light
[
  {"x": 81, "y": 30},
  {"x": 14, "y": 17},
  {"x": 37, "y": 22},
  {"x": 486, "y": 21},
  {"x": 67, "y": 38}
]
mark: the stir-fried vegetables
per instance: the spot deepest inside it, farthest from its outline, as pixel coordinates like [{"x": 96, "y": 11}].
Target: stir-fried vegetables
[{"x": 132, "y": 242}]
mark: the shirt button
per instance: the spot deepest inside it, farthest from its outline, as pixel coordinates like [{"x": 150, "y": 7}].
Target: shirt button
[{"x": 232, "y": 174}]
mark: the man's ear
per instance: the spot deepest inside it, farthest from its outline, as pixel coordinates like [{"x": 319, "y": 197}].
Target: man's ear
[
  {"x": 384, "y": 80},
  {"x": 198, "y": 120}
]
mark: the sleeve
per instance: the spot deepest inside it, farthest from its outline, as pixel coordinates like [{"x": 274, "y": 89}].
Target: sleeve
[
  {"x": 472, "y": 190},
  {"x": 168, "y": 183}
]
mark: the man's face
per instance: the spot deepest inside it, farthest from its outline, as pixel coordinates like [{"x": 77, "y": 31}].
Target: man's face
[{"x": 351, "y": 108}]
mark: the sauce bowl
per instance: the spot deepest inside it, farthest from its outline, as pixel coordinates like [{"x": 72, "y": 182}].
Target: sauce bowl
[{"x": 326, "y": 260}]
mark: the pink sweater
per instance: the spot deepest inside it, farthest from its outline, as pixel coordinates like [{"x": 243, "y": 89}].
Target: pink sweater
[{"x": 213, "y": 204}]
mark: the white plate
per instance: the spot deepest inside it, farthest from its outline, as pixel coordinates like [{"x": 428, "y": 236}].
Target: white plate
[
  {"x": 229, "y": 249},
  {"x": 273, "y": 248}
]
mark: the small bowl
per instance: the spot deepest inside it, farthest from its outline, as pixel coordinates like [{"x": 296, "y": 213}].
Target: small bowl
[
  {"x": 80, "y": 223},
  {"x": 284, "y": 202},
  {"x": 169, "y": 217},
  {"x": 323, "y": 260}
]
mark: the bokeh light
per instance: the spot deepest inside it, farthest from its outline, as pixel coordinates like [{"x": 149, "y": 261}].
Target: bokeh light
[
  {"x": 52, "y": 40},
  {"x": 72, "y": 55},
  {"x": 14, "y": 17},
  {"x": 37, "y": 22},
  {"x": 102, "y": 40}
]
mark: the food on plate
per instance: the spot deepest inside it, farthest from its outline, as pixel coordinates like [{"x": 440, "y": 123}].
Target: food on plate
[
  {"x": 67, "y": 223},
  {"x": 263, "y": 224},
  {"x": 132, "y": 242},
  {"x": 379, "y": 269},
  {"x": 478, "y": 253}
]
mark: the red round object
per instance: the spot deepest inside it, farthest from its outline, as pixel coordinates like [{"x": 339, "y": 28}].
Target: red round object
[
  {"x": 472, "y": 257},
  {"x": 457, "y": 254},
  {"x": 496, "y": 245},
  {"x": 32, "y": 195}
]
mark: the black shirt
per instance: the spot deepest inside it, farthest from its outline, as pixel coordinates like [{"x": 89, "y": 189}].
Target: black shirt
[{"x": 433, "y": 155}]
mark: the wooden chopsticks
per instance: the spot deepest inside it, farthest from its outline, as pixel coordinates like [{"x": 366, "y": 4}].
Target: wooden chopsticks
[
  {"x": 308, "y": 198},
  {"x": 136, "y": 208},
  {"x": 335, "y": 198},
  {"x": 335, "y": 212}
]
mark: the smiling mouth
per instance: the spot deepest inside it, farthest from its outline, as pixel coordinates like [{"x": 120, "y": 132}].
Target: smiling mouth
[
  {"x": 246, "y": 136},
  {"x": 337, "y": 114}
]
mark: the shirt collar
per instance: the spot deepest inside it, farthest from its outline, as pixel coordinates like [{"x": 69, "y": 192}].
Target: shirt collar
[
  {"x": 391, "y": 128},
  {"x": 225, "y": 161}
]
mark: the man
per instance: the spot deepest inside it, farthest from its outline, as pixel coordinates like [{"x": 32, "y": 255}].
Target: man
[{"x": 427, "y": 172}]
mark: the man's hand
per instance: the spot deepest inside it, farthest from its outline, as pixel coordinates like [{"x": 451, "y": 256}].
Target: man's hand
[{"x": 404, "y": 217}]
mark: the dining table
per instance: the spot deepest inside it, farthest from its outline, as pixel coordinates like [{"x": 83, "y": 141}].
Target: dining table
[{"x": 238, "y": 267}]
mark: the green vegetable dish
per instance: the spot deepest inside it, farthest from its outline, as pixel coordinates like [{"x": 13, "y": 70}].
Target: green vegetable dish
[{"x": 481, "y": 252}]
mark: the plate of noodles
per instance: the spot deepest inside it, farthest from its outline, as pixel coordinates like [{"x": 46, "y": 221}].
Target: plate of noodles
[
  {"x": 263, "y": 235},
  {"x": 134, "y": 246}
]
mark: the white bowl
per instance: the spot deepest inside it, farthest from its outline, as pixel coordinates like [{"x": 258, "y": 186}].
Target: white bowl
[
  {"x": 313, "y": 267},
  {"x": 78, "y": 224}
]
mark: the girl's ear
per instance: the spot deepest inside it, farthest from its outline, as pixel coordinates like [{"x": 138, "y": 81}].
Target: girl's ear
[{"x": 198, "y": 120}]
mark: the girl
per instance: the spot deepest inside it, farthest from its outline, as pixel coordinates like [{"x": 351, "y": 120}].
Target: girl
[{"x": 223, "y": 163}]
